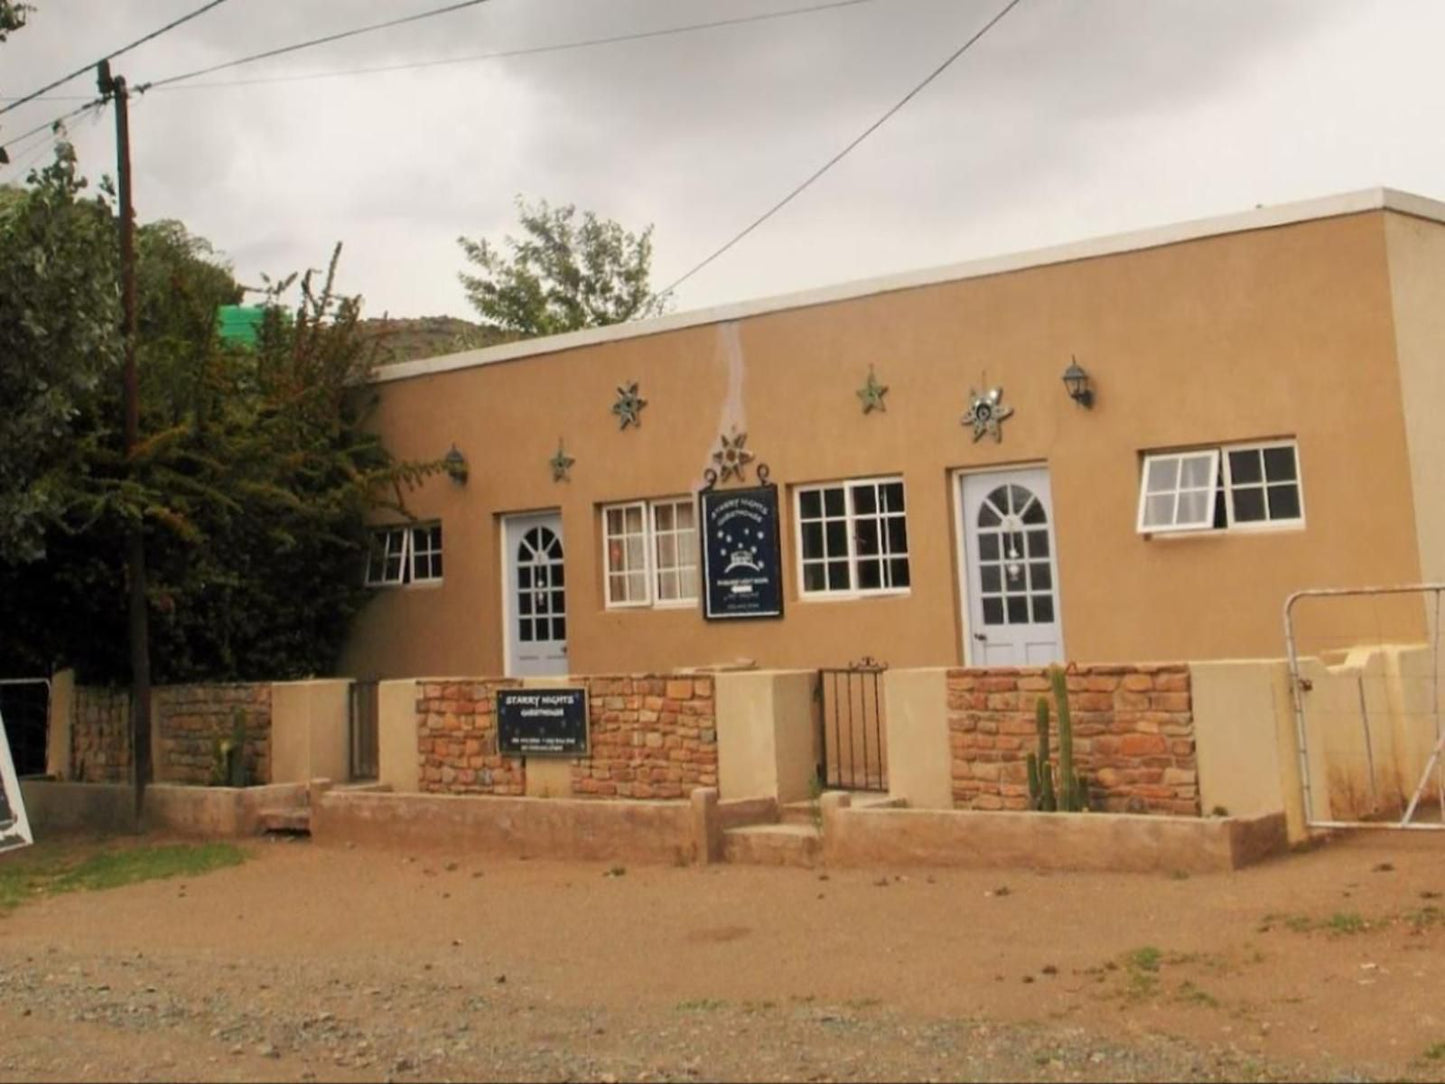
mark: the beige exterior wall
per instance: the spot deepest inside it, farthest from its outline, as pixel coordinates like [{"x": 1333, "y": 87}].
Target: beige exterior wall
[
  {"x": 60, "y": 719},
  {"x": 398, "y": 757},
  {"x": 309, "y": 731},
  {"x": 1244, "y": 736},
  {"x": 919, "y": 757},
  {"x": 1282, "y": 332},
  {"x": 766, "y": 734}
]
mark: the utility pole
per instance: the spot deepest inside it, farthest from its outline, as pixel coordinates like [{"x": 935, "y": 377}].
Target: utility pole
[{"x": 114, "y": 89}]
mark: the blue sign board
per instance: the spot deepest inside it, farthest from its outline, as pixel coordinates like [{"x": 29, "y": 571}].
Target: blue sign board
[{"x": 742, "y": 564}]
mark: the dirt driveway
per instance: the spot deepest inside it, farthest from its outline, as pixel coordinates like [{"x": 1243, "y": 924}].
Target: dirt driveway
[{"x": 312, "y": 963}]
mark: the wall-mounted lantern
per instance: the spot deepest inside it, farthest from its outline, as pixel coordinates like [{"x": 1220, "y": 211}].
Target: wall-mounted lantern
[
  {"x": 455, "y": 465},
  {"x": 1076, "y": 380}
]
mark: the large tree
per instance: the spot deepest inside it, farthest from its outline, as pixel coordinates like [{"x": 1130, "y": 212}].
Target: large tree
[
  {"x": 562, "y": 274},
  {"x": 252, "y": 481}
]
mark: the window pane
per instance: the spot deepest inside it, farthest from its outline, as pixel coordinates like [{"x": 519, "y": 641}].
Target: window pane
[
  {"x": 666, "y": 551},
  {"x": 667, "y": 586},
  {"x": 813, "y": 577},
  {"x": 898, "y": 571},
  {"x": 1196, "y": 472},
  {"x": 539, "y": 602},
  {"x": 617, "y": 587},
  {"x": 833, "y": 502},
  {"x": 525, "y": 630},
  {"x": 1284, "y": 502},
  {"x": 993, "y": 611},
  {"x": 559, "y": 603},
  {"x": 1159, "y": 510},
  {"x": 1038, "y": 544},
  {"x": 838, "y": 579},
  {"x": 1249, "y": 505},
  {"x": 559, "y": 575},
  {"x": 867, "y": 537},
  {"x": 988, "y": 547},
  {"x": 1041, "y": 577},
  {"x": 865, "y": 499},
  {"x": 989, "y": 578},
  {"x": 524, "y": 577},
  {"x": 1043, "y": 608},
  {"x": 633, "y": 519},
  {"x": 662, "y": 517},
  {"x": 897, "y": 534},
  {"x": 837, "y": 538},
  {"x": 812, "y": 540},
  {"x": 810, "y": 504},
  {"x": 1244, "y": 467},
  {"x": 636, "y": 586},
  {"x": 870, "y": 575},
  {"x": 685, "y": 514},
  {"x": 1194, "y": 506},
  {"x": 634, "y": 553},
  {"x": 1018, "y": 609},
  {"x": 1279, "y": 464},
  {"x": 1163, "y": 474},
  {"x": 689, "y": 584},
  {"x": 559, "y": 628},
  {"x": 1035, "y": 512},
  {"x": 892, "y": 496},
  {"x": 987, "y": 517},
  {"x": 614, "y": 521}
]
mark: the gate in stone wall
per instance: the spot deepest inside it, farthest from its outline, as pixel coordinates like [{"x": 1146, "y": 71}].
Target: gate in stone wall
[
  {"x": 852, "y": 749},
  {"x": 363, "y": 736}
]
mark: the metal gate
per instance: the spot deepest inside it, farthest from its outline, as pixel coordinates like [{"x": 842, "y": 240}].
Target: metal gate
[
  {"x": 25, "y": 704},
  {"x": 362, "y": 735},
  {"x": 1368, "y": 725},
  {"x": 851, "y": 748}
]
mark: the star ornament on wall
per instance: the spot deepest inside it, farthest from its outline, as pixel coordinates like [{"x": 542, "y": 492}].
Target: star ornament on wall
[
  {"x": 871, "y": 394},
  {"x": 985, "y": 412},
  {"x": 561, "y": 463},
  {"x": 732, "y": 458},
  {"x": 628, "y": 407}
]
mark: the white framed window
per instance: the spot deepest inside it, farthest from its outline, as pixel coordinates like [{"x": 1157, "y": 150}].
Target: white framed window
[
  {"x": 650, "y": 550},
  {"x": 1227, "y": 487},
  {"x": 405, "y": 555},
  {"x": 852, "y": 538}
]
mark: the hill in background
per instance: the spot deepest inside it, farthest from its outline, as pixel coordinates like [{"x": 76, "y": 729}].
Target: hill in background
[{"x": 409, "y": 339}]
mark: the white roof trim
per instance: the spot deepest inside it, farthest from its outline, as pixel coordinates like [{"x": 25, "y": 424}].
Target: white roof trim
[{"x": 1261, "y": 218}]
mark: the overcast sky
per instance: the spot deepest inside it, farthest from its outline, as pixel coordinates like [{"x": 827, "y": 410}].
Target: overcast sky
[{"x": 1070, "y": 119}]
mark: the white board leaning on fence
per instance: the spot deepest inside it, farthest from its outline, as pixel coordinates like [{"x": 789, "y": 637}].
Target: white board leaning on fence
[{"x": 14, "y": 826}]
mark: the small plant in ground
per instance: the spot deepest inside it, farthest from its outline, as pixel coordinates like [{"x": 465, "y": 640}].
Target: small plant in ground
[
  {"x": 701, "y": 1004},
  {"x": 1147, "y": 958},
  {"x": 1435, "y": 1052},
  {"x": 1193, "y": 995},
  {"x": 1347, "y": 922},
  {"x": 616, "y": 871}
]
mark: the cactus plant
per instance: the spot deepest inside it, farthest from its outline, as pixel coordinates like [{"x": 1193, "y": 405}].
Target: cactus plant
[
  {"x": 1040, "y": 770},
  {"x": 1072, "y": 796}
]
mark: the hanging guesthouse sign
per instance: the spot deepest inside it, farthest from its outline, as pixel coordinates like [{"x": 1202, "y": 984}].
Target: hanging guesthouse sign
[
  {"x": 542, "y": 722},
  {"x": 742, "y": 562}
]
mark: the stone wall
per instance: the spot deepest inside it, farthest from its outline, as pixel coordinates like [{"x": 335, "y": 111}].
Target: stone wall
[
  {"x": 1133, "y": 736},
  {"x": 650, "y": 736},
  {"x": 189, "y": 719},
  {"x": 99, "y": 735}
]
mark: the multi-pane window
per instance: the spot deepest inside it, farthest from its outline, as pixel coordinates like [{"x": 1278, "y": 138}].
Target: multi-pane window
[
  {"x": 405, "y": 555},
  {"x": 651, "y": 552},
  {"x": 1236, "y": 486},
  {"x": 853, "y": 537}
]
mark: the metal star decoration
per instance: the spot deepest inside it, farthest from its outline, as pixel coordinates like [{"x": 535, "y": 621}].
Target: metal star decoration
[
  {"x": 985, "y": 412},
  {"x": 628, "y": 407},
  {"x": 732, "y": 458},
  {"x": 561, "y": 463},
  {"x": 871, "y": 394}
]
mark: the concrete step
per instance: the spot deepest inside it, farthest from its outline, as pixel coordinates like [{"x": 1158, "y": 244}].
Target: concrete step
[
  {"x": 295, "y": 820},
  {"x": 808, "y": 813},
  {"x": 773, "y": 845},
  {"x": 364, "y": 787}
]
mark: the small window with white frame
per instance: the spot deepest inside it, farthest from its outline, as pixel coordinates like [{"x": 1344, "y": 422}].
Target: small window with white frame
[
  {"x": 852, "y": 538},
  {"x": 650, "y": 548},
  {"x": 402, "y": 554},
  {"x": 1226, "y": 487}
]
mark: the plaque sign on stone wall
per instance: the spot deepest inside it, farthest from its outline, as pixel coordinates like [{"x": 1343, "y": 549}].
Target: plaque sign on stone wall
[
  {"x": 741, "y": 558},
  {"x": 14, "y": 826},
  {"x": 542, "y": 722}
]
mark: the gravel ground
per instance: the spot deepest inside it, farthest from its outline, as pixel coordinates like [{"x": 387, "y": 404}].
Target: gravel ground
[{"x": 313, "y": 964}]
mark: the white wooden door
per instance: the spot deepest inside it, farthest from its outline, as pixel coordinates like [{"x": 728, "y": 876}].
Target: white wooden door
[
  {"x": 536, "y": 610},
  {"x": 1011, "y": 572}
]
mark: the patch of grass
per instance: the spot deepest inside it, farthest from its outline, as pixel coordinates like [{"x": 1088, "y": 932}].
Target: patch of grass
[
  {"x": 701, "y": 1004},
  {"x": 1145, "y": 959},
  {"x": 863, "y": 1003},
  {"x": 1429, "y": 915},
  {"x": 1193, "y": 995},
  {"x": 1141, "y": 971},
  {"x": 1435, "y": 1052},
  {"x": 47, "y": 872},
  {"x": 1347, "y": 922}
]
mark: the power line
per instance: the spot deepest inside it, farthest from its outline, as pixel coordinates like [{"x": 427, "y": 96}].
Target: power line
[
  {"x": 143, "y": 87},
  {"x": 53, "y": 123},
  {"x": 111, "y": 56},
  {"x": 531, "y": 50},
  {"x": 831, "y": 162}
]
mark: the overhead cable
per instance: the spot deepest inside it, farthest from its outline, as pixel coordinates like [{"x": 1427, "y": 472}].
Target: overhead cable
[{"x": 831, "y": 162}]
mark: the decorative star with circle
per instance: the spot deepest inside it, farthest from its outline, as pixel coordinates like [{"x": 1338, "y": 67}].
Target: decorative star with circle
[
  {"x": 732, "y": 458},
  {"x": 871, "y": 394},
  {"x": 985, "y": 412},
  {"x": 561, "y": 463},
  {"x": 628, "y": 407}
]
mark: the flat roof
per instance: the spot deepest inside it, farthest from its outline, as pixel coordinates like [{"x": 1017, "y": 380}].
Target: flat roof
[{"x": 1260, "y": 218}]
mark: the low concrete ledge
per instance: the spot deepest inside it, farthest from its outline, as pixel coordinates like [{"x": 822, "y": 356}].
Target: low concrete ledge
[
  {"x": 216, "y": 811},
  {"x": 1104, "y": 842},
  {"x": 54, "y": 806},
  {"x": 665, "y": 832}
]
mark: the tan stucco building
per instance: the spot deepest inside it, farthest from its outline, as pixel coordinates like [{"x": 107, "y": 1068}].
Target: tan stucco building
[{"x": 1266, "y": 416}]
